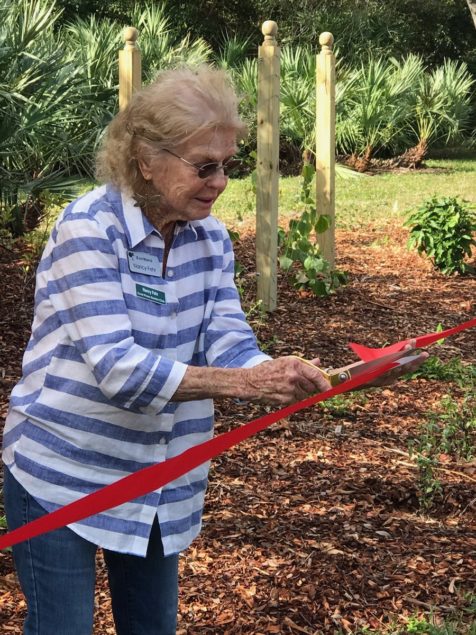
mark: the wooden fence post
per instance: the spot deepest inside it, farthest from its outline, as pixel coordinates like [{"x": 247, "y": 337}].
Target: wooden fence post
[
  {"x": 325, "y": 143},
  {"x": 130, "y": 70},
  {"x": 267, "y": 167}
]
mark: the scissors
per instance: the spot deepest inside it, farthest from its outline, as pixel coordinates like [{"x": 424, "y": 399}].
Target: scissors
[{"x": 337, "y": 376}]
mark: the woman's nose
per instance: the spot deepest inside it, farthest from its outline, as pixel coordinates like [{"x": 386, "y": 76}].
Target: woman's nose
[{"x": 218, "y": 179}]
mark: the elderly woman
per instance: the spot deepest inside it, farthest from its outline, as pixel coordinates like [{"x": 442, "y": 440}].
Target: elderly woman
[{"x": 137, "y": 328}]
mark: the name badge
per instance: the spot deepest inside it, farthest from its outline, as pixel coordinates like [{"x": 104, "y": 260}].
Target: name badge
[
  {"x": 140, "y": 262},
  {"x": 148, "y": 293}
]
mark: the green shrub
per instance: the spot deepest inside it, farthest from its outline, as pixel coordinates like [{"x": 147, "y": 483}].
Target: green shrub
[
  {"x": 442, "y": 228},
  {"x": 299, "y": 252}
]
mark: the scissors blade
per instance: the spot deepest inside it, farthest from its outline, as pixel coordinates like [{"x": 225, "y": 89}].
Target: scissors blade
[{"x": 339, "y": 375}]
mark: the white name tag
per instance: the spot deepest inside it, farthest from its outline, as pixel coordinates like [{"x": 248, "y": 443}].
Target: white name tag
[{"x": 140, "y": 262}]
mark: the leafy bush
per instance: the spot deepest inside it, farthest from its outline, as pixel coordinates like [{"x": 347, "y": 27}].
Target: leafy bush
[
  {"x": 458, "y": 421},
  {"x": 59, "y": 90},
  {"x": 389, "y": 106},
  {"x": 442, "y": 228},
  {"x": 385, "y": 107},
  {"x": 300, "y": 254},
  {"x": 38, "y": 90}
]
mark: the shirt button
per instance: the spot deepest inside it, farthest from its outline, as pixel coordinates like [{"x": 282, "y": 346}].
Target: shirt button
[
  {"x": 163, "y": 441},
  {"x": 170, "y": 273}
]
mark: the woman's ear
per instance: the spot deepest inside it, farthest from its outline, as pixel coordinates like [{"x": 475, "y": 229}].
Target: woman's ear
[{"x": 145, "y": 166}]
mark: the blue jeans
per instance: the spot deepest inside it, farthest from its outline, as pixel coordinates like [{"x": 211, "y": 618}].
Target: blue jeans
[{"x": 57, "y": 574}]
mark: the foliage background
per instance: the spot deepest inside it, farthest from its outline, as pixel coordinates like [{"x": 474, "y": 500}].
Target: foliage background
[
  {"x": 435, "y": 29},
  {"x": 404, "y": 79}
]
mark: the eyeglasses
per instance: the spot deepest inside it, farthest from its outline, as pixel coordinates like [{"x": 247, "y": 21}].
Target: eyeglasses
[{"x": 206, "y": 170}]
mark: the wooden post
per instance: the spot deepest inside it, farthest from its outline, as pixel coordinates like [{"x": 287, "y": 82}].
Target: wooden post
[
  {"x": 325, "y": 143},
  {"x": 129, "y": 67},
  {"x": 472, "y": 7},
  {"x": 267, "y": 167}
]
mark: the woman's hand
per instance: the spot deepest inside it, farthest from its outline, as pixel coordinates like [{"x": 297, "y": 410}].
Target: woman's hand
[
  {"x": 391, "y": 376},
  {"x": 282, "y": 381},
  {"x": 277, "y": 382}
]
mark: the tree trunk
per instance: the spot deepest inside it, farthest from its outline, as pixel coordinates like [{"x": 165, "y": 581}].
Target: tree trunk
[
  {"x": 472, "y": 7},
  {"x": 360, "y": 162},
  {"x": 413, "y": 157}
]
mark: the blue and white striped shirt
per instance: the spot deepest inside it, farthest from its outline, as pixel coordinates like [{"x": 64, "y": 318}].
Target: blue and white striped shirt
[{"x": 110, "y": 343}]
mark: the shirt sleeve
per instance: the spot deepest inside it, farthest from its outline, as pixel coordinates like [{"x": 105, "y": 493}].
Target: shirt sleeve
[
  {"x": 229, "y": 340},
  {"x": 84, "y": 288}
]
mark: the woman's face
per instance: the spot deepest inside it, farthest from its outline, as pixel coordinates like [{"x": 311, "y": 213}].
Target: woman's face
[{"x": 183, "y": 194}]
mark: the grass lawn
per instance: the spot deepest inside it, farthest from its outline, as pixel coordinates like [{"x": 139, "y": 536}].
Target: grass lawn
[{"x": 360, "y": 201}]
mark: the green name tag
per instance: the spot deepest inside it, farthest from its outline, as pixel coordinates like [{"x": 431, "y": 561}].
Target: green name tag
[{"x": 150, "y": 294}]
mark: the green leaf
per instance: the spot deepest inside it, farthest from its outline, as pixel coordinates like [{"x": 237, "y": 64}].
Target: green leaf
[
  {"x": 323, "y": 223},
  {"x": 302, "y": 278},
  {"x": 319, "y": 288},
  {"x": 308, "y": 172},
  {"x": 234, "y": 235},
  {"x": 285, "y": 263}
]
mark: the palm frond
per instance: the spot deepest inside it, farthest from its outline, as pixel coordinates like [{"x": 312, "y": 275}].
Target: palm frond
[{"x": 233, "y": 51}]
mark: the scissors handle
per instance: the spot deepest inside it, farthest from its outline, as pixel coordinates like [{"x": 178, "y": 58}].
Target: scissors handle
[
  {"x": 334, "y": 377},
  {"x": 339, "y": 377}
]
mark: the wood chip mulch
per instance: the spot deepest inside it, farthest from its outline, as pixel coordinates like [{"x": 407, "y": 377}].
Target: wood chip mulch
[{"x": 314, "y": 525}]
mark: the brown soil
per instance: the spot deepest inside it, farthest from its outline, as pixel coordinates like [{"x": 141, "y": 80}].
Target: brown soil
[{"x": 314, "y": 525}]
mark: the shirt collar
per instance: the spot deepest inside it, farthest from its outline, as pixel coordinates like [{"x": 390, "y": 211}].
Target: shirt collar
[{"x": 137, "y": 226}]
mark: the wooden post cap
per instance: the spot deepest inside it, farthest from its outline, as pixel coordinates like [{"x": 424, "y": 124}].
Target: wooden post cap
[
  {"x": 269, "y": 29},
  {"x": 326, "y": 39},
  {"x": 130, "y": 36}
]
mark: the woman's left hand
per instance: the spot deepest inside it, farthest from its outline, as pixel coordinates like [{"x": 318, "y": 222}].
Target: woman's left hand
[{"x": 392, "y": 375}]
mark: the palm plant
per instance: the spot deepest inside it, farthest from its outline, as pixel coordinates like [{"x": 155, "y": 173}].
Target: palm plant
[
  {"x": 298, "y": 96},
  {"x": 160, "y": 45},
  {"x": 404, "y": 81},
  {"x": 442, "y": 107},
  {"x": 245, "y": 80},
  {"x": 400, "y": 107},
  {"x": 373, "y": 109},
  {"x": 371, "y": 113},
  {"x": 232, "y": 51},
  {"x": 91, "y": 45},
  {"x": 94, "y": 43},
  {"x": 38, "y": 86}
]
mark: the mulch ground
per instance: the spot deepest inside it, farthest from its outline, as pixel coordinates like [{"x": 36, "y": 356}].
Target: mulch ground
[{"x": 314, "y": 525}]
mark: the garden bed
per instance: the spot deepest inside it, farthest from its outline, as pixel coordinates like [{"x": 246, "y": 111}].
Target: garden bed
[{"x": 315, "y": 526}]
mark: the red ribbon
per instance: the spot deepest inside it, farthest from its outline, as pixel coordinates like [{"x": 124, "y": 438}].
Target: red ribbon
[
  {"x": 156, "y": 476},
  {"x": 367, "y": 354}
]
